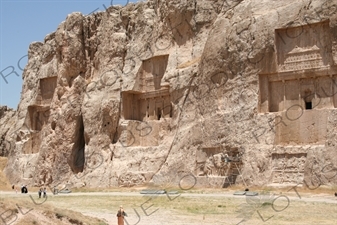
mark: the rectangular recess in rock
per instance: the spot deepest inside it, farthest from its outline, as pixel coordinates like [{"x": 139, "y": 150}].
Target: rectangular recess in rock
[
  {"x": 303, "y": 47},
  {"x": 130, "y": 108},
  {"x": 152, "y": 72},
  {"x": 47, "y": 87},
  {"x": 288, "y": 167},
  {"x": 38, "y": 116}
]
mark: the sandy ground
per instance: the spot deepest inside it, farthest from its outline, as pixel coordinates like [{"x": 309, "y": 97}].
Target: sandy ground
[{"x": 304, "y": 208}]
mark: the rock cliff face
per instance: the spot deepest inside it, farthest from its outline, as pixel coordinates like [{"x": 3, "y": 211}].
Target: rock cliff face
[
  {"x": 197, "y": 92},
  {"x": 7, "y": 120}
]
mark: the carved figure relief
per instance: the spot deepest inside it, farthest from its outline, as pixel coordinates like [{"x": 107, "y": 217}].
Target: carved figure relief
[
  {"x": 211, "y": 161},
  {"x": 302, "y": 59},
  {"x": 288, "y": 168}
]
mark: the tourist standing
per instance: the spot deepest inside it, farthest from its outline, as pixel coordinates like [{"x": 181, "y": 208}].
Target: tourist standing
[
  {"x": 44, "y": 192},
  {"x": 120, "y": 216},
  {"x": 40, "y": 192}
]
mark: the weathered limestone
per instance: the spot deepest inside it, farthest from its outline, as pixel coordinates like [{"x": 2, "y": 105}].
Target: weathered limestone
[
  {"x": 216, "y": 92},
  {"x": 7, "y": 120}
]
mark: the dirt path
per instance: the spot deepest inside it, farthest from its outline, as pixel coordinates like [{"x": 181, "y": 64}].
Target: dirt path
[{"x": 307, "y": 197}]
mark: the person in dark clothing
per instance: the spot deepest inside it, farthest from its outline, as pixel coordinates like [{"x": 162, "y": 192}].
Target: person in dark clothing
[
  {"x": 120, "y": 216},
  {"x": 40, "y": 192},
  {"x": 24, "y": 189},
  {"x": 44, "y": 192}
]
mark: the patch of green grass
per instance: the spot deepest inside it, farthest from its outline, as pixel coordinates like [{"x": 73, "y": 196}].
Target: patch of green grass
[
  {"x": 266, "y": 204},
  {"x": 102, "y": 223}
]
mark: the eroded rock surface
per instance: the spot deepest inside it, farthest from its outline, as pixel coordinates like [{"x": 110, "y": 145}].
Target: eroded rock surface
[
  {"x": 7, "y": 120},
  {"x": 218, "y": 90}
]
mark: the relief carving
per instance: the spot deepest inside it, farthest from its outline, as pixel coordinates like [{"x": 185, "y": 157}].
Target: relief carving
[
  {"x": 212, "y": 161},
  {"x": 302, "y": 59},
  {"x": 288, "y": 168}
]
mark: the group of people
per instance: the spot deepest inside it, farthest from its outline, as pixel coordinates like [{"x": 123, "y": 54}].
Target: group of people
[
  {"x": 120, "y": 214},
  {"x": 44, "y": 191},
  {"x": 24, "y": 190}
]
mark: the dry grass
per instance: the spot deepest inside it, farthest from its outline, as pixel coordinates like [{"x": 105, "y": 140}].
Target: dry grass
[
  {"x": 21, "y": 210},
  {"x": 213, "y": 209},
  {"x": 100, "y": 208}
]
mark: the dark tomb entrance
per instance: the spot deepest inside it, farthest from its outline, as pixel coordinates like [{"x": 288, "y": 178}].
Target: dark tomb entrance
[
  {"x": 308, "y": 105},
  {"x": 158, "y": 113}
]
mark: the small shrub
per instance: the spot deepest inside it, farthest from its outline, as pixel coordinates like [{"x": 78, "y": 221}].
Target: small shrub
[
  {"x": 102, "y": 223},
  {"x": 266, "y": 203},
  {"x": 75, "y": 221},
  {"x": 59, "y": 216}
]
